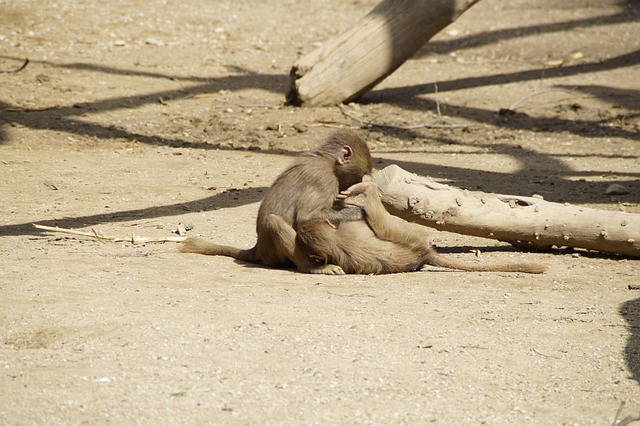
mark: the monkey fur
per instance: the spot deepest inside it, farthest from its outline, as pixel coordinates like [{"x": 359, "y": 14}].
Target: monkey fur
[
  {"x": 307, "y": 190},
  {"x": 382, "y": 243}
]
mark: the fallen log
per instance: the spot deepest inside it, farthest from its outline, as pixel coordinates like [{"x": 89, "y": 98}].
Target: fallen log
[
  {"x": 525, "y": 222},
  {"x": 350, "y": 64}
]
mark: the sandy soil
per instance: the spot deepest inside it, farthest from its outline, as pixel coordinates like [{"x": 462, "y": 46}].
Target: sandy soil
[{"x": 134, "y": 116}]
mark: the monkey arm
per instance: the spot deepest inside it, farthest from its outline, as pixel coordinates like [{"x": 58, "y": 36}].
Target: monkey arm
[
  {"x": 385, "y": 226},
  {"x": 337, "y": 213}
]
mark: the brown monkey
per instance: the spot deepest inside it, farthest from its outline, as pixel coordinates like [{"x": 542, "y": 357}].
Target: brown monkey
[
  {"x": 305, "y": 191},
  {"x": 382, "y": 243}
]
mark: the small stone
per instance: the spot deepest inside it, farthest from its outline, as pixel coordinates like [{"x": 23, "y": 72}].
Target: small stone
[
  {"x": 182, "y": 230},
  {"x": 616, "y": 189},
  {"x": 300, "y": 128}
]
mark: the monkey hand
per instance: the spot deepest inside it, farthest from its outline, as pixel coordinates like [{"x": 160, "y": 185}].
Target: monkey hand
[
  {"x": 357, "y": 189},
  {"x": 341, "y": 196}
]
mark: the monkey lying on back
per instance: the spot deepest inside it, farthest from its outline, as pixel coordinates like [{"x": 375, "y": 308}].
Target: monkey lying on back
[
  {"x": 305, "y": 191},
  {"x": 382, "y": 243}
]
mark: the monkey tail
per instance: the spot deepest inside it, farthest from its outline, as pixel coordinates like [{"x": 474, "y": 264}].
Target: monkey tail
[
  {"x": 202, "y": 246},
  {"x": 436, "y": 259}
]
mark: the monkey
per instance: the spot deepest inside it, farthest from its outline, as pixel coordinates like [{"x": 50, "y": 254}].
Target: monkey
[
  {"x": 307, "y": 190},
  {"x": 381, "y": 243}
]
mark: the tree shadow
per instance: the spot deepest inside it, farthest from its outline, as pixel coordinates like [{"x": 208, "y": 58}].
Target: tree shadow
[
  {"x": 408, "y": 98},
  {"x": 528, "y": 180},
  {"x": 63, "y": 117},
  {"x": 630, "y": 311},
  {"x": 227, "y": 199},
  {"x": 626, "y": 98},
  {"x": 472, "y": 41}
]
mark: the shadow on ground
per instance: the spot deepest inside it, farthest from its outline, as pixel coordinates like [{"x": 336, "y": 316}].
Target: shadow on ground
[{"x": 630, "y": 311}]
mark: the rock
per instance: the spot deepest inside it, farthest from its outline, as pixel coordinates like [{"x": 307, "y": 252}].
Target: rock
[{"x": 616, "y": 189}]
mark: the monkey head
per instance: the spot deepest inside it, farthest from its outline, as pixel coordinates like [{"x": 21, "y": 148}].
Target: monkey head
[{"x": 352, "y": 157}]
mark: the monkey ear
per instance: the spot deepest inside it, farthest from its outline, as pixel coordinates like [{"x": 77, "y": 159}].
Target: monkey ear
[{"x": 345, "y": 155}]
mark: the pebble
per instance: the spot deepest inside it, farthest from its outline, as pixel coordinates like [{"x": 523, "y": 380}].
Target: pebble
[{"x": 616, "y": 189}]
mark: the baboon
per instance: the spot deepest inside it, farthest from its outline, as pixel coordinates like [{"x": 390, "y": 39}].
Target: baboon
[
  {"x": 381, "y": 243},
  {"x": 308, "y": 190}
]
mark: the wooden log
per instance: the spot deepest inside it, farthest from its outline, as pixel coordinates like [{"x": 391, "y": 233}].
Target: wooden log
[
  {"x": 351, "y": 63},
  {"x": 522, "y": 221}
]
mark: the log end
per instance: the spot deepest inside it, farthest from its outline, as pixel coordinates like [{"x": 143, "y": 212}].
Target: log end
[{"x": 384, "y": 177}]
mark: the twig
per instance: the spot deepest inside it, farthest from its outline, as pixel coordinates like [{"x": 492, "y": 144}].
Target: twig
[
  {"x": 543, "y": 355},
  {"x": 94, "y": 234},
  {"x": 625, "y": 421},
  {"x": 224, "y": 101},
  {"x": 20, "y": 68},
  {"x": 352, "y": 295},
  {"x": 245, "y": 106},
  {"x": 615, "y": 419},
  {"x": 435, "y": 94},
  {"x": 472, "y": 347},
  {"x": 543, "y": 91},
  {"x": 367, "y": 123},
  {"x": 331, "y": 124}
]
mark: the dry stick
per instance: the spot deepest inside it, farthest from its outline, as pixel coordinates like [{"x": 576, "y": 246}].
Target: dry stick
[
  {"x": 615, "y": 420},
  {"x": 435, "y": 94},
  {"x": 94, "y": 234},
  {"x": 351, "y": 63},
  {"x": 245, "y": 106},
  {"x": 367, "y": 123},
  {"x": 221, "y": 101},
  {"x": 543, "y": 91},
  {"x": 20, "y": 68},
  {"x": 333, "y": 124},
  {"x": 522, "y": 221},
  {"x": 625, "y": 421}
]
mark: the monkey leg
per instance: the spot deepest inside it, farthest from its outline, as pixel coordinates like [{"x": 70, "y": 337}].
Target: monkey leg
[
  {"x": 396, "y": 230},
  {"x": 386, "y": 226},
  {"x": 283, "y": 244}
]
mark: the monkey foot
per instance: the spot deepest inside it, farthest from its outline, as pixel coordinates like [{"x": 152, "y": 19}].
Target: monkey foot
[{"x": 327, "y": 270}]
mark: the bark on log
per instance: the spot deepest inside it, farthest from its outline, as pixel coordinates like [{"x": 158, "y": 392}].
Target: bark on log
[
  {"x": 522, "y": 221},
  {"x": 353, "y": 62}
]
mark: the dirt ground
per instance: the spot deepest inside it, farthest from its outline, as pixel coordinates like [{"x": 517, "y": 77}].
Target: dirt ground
[{"x": 133, "y": 116}]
